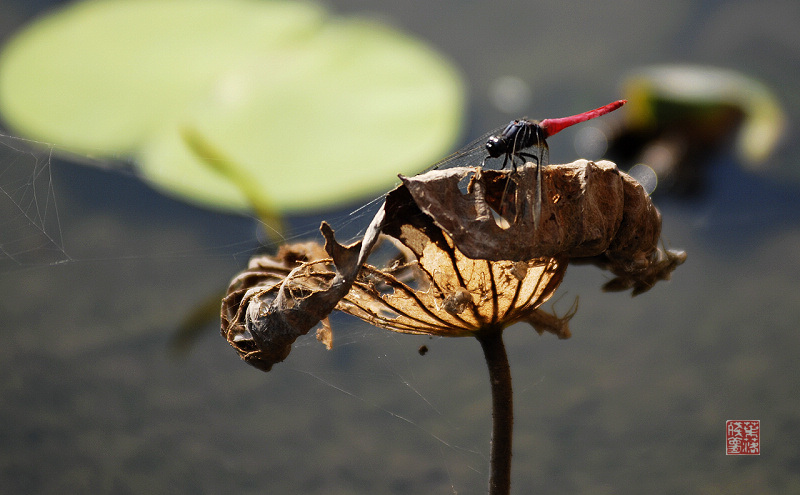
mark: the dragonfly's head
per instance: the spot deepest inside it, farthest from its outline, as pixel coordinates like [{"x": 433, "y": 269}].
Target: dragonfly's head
[{"x": 497, "y": 146}]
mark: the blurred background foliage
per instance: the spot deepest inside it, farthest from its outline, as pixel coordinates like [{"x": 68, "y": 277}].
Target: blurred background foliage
[{"x": 303, "y": 109}]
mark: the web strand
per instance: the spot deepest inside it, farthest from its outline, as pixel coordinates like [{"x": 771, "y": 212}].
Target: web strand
[{"x": 30, "y": 224}]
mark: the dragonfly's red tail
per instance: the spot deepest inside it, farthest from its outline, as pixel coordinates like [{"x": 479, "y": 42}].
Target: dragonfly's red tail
[{"x": 552, "y": 126}]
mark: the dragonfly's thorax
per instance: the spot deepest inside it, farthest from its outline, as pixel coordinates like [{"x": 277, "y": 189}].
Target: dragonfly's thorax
[{"x": 518, "y": 135}]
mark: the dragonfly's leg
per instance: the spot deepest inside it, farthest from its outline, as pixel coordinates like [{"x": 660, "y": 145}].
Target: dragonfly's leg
[
  {"x": 503, "y": 208},
  {"x": 516, "y": 167},
  {"x": 512, "y": 158},
  {"x": 528, "y": 156},
  {"x": 537, "y": 198},
  {"x": 537, "y": 202}
]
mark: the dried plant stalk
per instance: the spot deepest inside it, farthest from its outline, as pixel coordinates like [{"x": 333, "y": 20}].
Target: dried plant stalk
[{"x": 476, "y": 251}]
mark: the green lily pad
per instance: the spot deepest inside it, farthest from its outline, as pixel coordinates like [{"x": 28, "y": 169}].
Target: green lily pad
[{"x": 305, "y": 109}]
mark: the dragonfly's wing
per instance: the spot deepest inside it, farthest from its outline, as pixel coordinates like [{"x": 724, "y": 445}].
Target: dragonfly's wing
[{"x": 471, "y": 155}]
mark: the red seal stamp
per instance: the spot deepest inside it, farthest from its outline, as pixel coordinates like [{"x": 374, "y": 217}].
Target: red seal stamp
[{"x": 743, "y": 437}]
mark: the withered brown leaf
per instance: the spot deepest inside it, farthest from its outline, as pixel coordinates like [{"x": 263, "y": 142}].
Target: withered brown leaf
[{"x": 468, "y": 259}]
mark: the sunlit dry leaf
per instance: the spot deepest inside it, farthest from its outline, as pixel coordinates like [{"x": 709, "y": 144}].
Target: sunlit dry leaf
[
  {"x": 452, "y": 295},
  {"x": 489, "y": 297}
]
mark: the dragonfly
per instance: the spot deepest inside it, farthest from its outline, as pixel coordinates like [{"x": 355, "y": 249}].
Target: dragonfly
[{"x": 520, "y": 141}]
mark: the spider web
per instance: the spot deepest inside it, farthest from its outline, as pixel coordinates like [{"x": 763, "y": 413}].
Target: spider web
[
  {"x": 36, "y": 233},
  {"x": 30, "y": 228}
]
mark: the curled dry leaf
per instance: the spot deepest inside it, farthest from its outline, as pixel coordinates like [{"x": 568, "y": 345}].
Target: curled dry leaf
[
  {"x": 279, "y": 298},
  {"x": 589, "y": 210},
  {"x": 466, "y": 259},
  {"x": 259, "y": 284}
]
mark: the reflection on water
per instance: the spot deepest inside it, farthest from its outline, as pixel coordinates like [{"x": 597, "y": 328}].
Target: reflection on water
[{"x": 635, "y": 402}]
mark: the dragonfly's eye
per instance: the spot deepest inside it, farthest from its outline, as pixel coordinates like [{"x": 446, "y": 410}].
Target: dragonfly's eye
[{"x": 496, "y": 146}]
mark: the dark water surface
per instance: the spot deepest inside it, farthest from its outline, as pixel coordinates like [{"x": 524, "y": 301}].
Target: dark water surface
[{"x": 92, "y": 399}]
